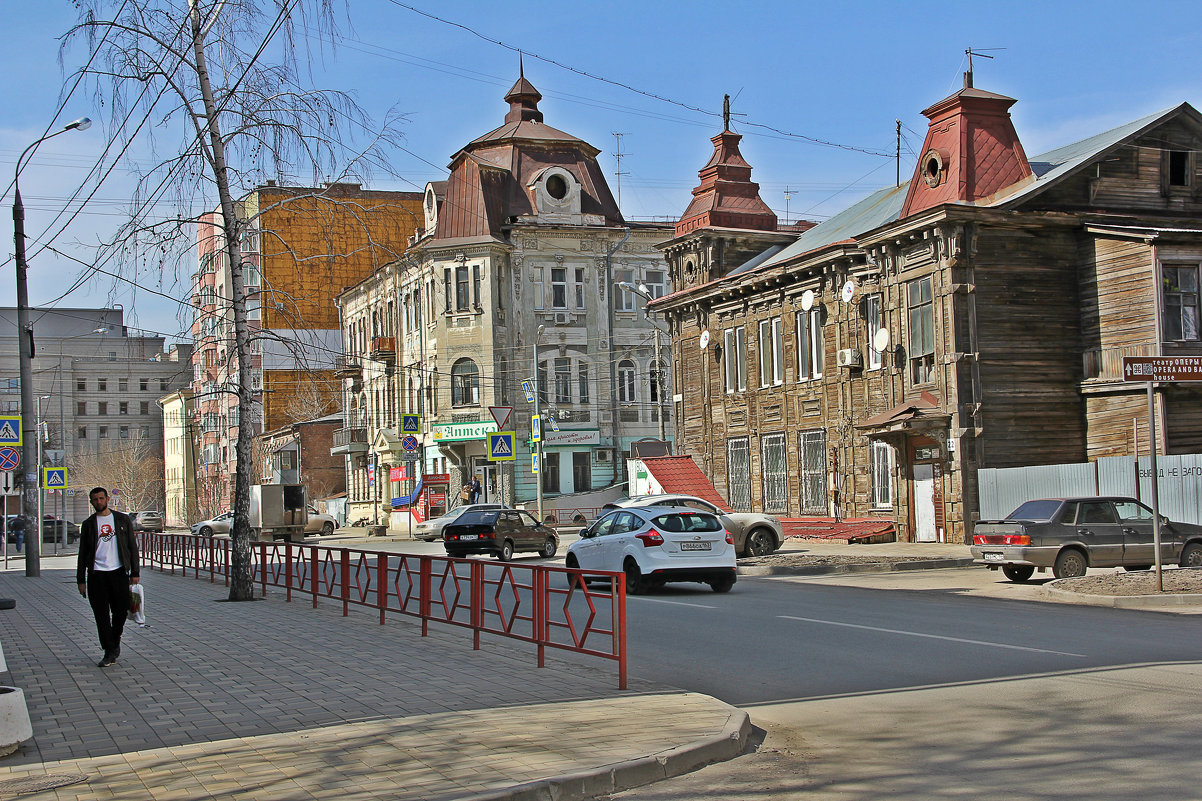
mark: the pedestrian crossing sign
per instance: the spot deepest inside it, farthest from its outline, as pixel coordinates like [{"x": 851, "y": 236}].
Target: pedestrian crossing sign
[
  {"x": 534, "y": 463},
  {"x": 411, "y": 424},
  {"x": 500, "y": 446},
  {"x": 528, "y": 388},
  {"x": 54, "y": 477},
  {"x": 536, "y": 428},
  {"x": 10, "y": 430}
]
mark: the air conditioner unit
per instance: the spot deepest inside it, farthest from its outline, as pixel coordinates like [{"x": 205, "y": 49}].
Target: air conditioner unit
[
  {"x": 848, "y": 357},
  {"x": 605, "y": 454}
]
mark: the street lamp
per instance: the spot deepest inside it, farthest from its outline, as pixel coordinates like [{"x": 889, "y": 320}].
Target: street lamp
[
  {"x": 642, "y": 291},
  {"x": 29, "y": 487}
]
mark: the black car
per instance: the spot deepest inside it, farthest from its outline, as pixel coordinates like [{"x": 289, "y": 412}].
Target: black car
[
  {"x": 1070, "y": 535},
  {"x": 499, "y": 533}
]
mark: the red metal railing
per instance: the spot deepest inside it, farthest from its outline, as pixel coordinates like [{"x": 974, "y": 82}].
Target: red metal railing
[{"x": 522, "y": 602}]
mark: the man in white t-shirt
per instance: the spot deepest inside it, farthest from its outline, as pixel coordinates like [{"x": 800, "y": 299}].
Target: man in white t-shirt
[{"x": 107, "y": 566}]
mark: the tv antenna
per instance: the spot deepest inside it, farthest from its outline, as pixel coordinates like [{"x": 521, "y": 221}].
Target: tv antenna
[
  {"x": 618, "y": 169},
  {"x": 982, "y": 51},
  {"x": 788, "y": 194}
]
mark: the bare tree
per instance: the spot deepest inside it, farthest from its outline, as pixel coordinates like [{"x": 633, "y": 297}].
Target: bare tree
[
  {"x": 132, "y": 473},
  {"x": 231, "y": 73}
]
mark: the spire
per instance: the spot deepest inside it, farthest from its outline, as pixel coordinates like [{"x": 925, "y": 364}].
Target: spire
[
  {"x": 523, "y": 98},
  {"x": 726, "y": 196}
]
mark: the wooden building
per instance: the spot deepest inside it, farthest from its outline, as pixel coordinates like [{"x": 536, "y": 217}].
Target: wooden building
[{"x": 973, "y": 317}]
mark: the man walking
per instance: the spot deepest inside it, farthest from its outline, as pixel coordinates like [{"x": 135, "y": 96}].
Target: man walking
[
  {"x": 475, "y": 489},
  {"x": 108, "y": 564}
]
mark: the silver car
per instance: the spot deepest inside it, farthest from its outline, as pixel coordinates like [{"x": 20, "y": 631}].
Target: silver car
[
  {"x": 755, "y": 534},
  {"x": 217, "y": 525},
  {"x": 431, "y": 530}
]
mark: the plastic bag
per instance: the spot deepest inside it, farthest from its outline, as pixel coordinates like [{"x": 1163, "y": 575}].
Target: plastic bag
[{"x": 137, "y": 604}]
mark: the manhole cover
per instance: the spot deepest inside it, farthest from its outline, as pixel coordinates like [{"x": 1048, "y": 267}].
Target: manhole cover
[{"x": 35, "y": 784}]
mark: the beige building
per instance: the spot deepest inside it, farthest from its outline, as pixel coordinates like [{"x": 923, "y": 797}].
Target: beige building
[{"x": 179, "y": 459}]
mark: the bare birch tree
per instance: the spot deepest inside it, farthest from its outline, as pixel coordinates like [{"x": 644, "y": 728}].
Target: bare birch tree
[{"x": 233, "y": 74}]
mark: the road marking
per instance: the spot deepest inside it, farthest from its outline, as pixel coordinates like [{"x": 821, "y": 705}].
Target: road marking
[
  {"x": 931, "y": 636},
  {"x": 674, "y": 603}
]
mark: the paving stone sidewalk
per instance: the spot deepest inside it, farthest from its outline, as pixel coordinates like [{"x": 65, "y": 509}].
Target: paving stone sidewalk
[{"x": 277, "y": 700}]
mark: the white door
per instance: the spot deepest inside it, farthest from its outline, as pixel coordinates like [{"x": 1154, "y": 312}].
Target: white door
[{"x": 924, "y": 503}]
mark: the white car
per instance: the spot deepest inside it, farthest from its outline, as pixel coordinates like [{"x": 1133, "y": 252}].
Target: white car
[
  {"x": 431, "y": 530},
  {"x": 755, "y": 534},
  {"x": 657, "y": 544}
]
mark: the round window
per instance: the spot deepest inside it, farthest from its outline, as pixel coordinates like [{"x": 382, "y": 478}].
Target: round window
[
  {"x": 557, "y": 187},
  {"x": 932, "y": 167}
]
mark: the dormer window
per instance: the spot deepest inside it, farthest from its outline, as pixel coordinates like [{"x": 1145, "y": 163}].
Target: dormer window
[
  {"x": 1179, "y": 168},
  {"x": 933, "y": 167},
  {"x": 556, "y": 191},
  {"x": 557, "y": 187}
]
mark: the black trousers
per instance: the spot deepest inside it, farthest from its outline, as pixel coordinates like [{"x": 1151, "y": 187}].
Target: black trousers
[{"x": 108, "y": 593}]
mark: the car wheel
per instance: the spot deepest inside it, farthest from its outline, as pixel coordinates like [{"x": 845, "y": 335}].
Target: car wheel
[
  {"x": 327, "y": 528},
  {"x": 205, "y": 531},
  {"x": 506, "y": 552},
  {"x": 1191, "y": 555},
  {"x": 548, "y": 548},
  {"x": 635, "y": 583},
  {"x": 1018, "y": 572},
  {"x": 1070, "y": 564},
  {"x": 1133, "y": 568},
  {"x": 722, "y": 584},
  {"x": 760, "y": 542}
]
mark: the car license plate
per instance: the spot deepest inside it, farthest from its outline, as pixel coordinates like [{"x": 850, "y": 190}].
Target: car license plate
[
  {"x": 469, "y": 536},
  {"x": 993, "y": 557},
  {"x": 694, "y": 546}
]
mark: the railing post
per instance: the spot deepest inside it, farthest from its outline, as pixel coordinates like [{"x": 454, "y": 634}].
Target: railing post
[
  {"x": 346, "y": 581},
  {"x": 476, "y": 580},
  {"x": 314, "y": 582},
  {"x": 539, "y": 589},
  {"x": 425, "y": 567},
  {"x": 212, "y": 560},
  {"x": 381, "y": 583},
  {"x": 619, "y": 628},
  {"x": 225, "y": 556},
  {"x": 263, "y": 567},
  {"x": 288, "y": 570}
]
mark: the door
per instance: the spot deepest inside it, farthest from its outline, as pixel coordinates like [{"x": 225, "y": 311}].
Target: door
[
  {"x": 924, "y": 503},
  {"x": 1098, "y": 527},
  {"x": 490, "y": 490},
  {"x": 1139, "y": 540},
  {"x": 588, "y": 550}
]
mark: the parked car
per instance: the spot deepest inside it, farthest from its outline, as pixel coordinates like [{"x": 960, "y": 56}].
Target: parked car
[
  {"x": 1070, "y": 535},
  {"x": 55, "y": 529},
  {"x": 148, "y": 521},
  {"x": 320, "y": 523},
  {"x": 500, "y": 533},
  {"x": 755, "y": 534},
  {"x": 216, "y": 525},
  {"x": 656, "y": 544},
  {"x": 431, "y": 530}
]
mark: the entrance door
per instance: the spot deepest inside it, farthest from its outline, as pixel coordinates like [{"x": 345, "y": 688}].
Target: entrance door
[
  {"x": 924, "y": 503},
  {"x": 490, "y": 491}
]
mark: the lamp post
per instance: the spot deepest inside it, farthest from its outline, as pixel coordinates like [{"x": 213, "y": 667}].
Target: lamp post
[
  {"x": 642, "y": 291},
  {"x": 29, "y": 487},
  {"x": 538, "y": 446}
]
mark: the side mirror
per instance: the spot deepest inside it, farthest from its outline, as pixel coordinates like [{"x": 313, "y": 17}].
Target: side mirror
[{"x": 584, "y": 533}]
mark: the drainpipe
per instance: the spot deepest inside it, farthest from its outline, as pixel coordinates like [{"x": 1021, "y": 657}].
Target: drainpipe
[{"x": 619, "y": 462}]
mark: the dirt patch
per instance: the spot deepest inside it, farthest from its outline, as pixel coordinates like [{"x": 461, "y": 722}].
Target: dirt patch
[
  {"x": 821, "y": 560},
  {"x": 1142, "y": 582}
]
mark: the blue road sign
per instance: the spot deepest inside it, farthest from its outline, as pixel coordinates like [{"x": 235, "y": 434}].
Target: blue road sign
[
  {"x": 551, "y": 422},
  {"x": 54, "y": 477},
  {"x": 528, "y": 388},
  {"x": 534, "y": 463},
  {"x": 10, "y": 458},
  {"x": 536, "y": 428},
  {"x": 500, "y": 446},
  {"x": 10, "y": 430},
  {"x": 411, "y": 424},
  {"x": 409, "y": 443}
]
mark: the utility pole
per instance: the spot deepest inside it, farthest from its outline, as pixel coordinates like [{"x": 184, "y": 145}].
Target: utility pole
[
  {"x": 788, "y": 195},
  {"x": 618, "y": 154}
]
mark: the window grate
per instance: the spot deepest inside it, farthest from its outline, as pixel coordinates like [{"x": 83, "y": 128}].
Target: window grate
[
  {"x": 776, "y": 473},
  {"x": 811, "y": 446},
  {"x": 738, "y": 474}
]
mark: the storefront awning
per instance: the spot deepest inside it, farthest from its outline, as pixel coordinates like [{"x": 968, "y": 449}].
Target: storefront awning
[{"x": 924, "y": 412}]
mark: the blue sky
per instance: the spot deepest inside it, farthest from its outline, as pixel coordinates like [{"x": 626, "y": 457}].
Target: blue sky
[{"x": 839, "y": 72}]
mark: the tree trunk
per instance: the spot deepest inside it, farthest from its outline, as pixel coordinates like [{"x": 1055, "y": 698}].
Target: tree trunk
[{"x": 241, "y": 580}]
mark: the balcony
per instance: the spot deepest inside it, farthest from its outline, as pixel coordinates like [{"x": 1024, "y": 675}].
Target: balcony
[
  {"x": 349, "y": 440},
  {"x": 347, "y": 367},
  {"x": 1106, "y": 364},
  {"x": 383, "y": 348}
]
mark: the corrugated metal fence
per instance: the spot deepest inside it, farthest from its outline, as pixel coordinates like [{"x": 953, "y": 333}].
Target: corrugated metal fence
[{"x": 1003, "y": 490}]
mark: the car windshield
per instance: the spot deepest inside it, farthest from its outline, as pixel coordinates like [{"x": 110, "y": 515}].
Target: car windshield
[
  {"x": 1035, "y": 510},
  {"x": 482, "y": 517},
  {"x": 687, "y": 521}
]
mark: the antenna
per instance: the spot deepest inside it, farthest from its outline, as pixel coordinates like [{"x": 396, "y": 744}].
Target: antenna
[
  {"x": 618, "y": 169},
  {"x": 788, "y": 194},
  {"x": 980, "y": 51},
  {"x": 898, "y": 152},
  {"x": 727, "y": 113}
]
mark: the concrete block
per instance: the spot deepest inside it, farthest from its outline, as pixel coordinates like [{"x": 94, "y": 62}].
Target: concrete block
[{"x": 15, "y": 727}]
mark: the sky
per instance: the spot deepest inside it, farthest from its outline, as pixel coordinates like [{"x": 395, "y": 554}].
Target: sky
[{"x": 813, "y": 86}]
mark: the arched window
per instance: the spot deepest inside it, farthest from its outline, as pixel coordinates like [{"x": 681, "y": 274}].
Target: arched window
[
  {"x": 626, "y": 381},
  {"x": 465, "y": 383}
]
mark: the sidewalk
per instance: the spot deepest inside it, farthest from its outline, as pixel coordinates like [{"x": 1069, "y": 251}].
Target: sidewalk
[{"x": 277, "y": 700}]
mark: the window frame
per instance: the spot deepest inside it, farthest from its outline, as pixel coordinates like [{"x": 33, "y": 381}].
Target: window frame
[
  {"x": 559, "y": 288},
  {"x": 627, "y": 386},
  {"x": 812, "y": 475},
  {"x": 874, "y": 322},
  {"x": 465, "y": 384},
  {"x": 734, "y": 344},
  {"x": 920, "y": 319},
  {"x": 772, "y": 367},
  {"x": 881, "y": 468},
  {"x": 1167, "y": 313},
  {"x": 775, "y": 482}
]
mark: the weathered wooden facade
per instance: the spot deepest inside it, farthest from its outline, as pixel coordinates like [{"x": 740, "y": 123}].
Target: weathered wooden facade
[{"x": 973, "y": 317}]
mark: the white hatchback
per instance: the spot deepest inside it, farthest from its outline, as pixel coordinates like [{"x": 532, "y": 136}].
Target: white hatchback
[{"x": 657, "y": 544}]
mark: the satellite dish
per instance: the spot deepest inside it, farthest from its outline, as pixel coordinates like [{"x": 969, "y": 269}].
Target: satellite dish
[
  {"x": 848, "y": 292},
  {"x": 705, "y": 339},
  {"x": 880, "y": 340},
  {"x": 807, "y": 300}
]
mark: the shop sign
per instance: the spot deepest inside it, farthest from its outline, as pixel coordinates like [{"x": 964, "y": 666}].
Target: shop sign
[
  {"x": 585, "y": 436},
  {"x": 457, "y": 432},
  {"x": 437, "y": 478}
]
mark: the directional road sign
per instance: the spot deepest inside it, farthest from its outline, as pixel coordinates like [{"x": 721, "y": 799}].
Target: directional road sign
[
  {"x": 536, "y": 428},
  {"x": 54, "y": 477},
  {"x": 411, "y": 424},
  {"x": 409, "y": 443},
  {"x": 10, "y": 430},
  {"x": 1162, "y": 368},
  {"x": 500, "y": 414},
  {"x": 500, "y": 446},
  {"x": 10, "y": 458},
  {"x": 528, "y": 388}
]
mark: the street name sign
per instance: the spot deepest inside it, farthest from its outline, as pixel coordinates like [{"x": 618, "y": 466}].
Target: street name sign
[
  {"x": 500, "y": 446},
  {"x": 1162, "y": 368},
  {"x": 10, "y": 430}
]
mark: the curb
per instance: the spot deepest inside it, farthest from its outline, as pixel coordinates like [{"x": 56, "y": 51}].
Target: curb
[
  {"x": 866, "y": 567},
  {"x": 631, "y": 773},
  {"x": 1160, "y": 600}
]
